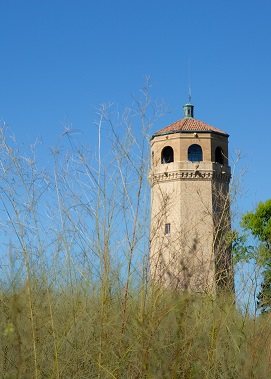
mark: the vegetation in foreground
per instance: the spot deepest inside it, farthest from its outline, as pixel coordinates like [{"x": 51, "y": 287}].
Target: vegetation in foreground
[{"x": 81, "y": 333}]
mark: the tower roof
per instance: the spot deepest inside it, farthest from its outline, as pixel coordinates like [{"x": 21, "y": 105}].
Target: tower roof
[{"x": 189, "y": 125}]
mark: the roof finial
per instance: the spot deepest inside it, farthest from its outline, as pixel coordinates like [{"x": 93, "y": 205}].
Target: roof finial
[
  {"x": 188, "y": 108},
  {"x": 189, "y": 86}
]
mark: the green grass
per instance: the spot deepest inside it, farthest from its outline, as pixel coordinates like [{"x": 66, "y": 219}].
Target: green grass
[{"x": 53, "y": 334}]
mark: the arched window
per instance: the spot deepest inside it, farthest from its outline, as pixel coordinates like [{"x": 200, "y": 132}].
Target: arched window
[
  {"x": 219, "y": 155},
  {"x": 167, "y": 155},
  {"x": 195, "y": 153}
]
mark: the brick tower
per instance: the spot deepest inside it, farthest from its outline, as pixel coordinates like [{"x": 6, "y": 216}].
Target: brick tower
[{"x": 190, "y": 218}]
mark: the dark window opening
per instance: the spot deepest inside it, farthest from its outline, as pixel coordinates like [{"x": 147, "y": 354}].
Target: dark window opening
[
  {"x": 167, "y": 229},
  {"x": 219, "y": 155},
  {"x": 167, "y": 155},
  {"x": 195, "y": 153}
]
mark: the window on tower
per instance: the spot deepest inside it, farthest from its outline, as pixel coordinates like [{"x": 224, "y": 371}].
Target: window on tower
[
  {"x": 195, "y": 153},
  {"x": 167, "y": 155},
  {"x": 219, "y": 155},
  {"x": 167, "y": 229}
]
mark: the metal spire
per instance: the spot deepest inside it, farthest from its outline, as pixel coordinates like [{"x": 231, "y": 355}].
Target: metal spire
[
  {"x": 188, "y": 108},
  {"x": 189, "y": 86}
]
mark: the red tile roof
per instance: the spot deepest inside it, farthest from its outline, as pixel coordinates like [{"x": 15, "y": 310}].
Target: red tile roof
[{"x": 189, "y": 125}]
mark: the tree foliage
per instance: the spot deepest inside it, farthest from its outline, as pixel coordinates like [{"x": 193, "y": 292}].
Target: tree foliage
[{"x": 258, "y": 223}]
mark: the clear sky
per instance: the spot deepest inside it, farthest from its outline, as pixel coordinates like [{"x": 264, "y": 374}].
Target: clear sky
[{"x": 61, "y": 59}]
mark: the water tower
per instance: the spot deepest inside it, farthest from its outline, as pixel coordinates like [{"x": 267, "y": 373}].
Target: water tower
[{"x": 190, "y": 216}]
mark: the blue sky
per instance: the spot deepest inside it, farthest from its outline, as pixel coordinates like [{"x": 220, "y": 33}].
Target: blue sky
[{"x": 61, "y": 59}]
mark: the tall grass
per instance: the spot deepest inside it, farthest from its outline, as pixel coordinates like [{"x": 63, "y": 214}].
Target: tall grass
[
  {"x": 75, "y": 296},
  {"x": 167, "y": 335}
]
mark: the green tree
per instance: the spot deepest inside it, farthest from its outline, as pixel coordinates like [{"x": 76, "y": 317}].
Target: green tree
[{"x": 258, "y": 223}]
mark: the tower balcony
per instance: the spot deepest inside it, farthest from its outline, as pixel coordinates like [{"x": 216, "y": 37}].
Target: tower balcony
[{"x": 190, "y": 170}]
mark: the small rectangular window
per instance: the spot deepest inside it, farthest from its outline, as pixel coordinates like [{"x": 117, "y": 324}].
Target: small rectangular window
[{"x": 167, "y": 229}]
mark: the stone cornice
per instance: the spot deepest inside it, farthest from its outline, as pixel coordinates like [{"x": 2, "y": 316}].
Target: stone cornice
[{"x": 189, "y": 175}]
